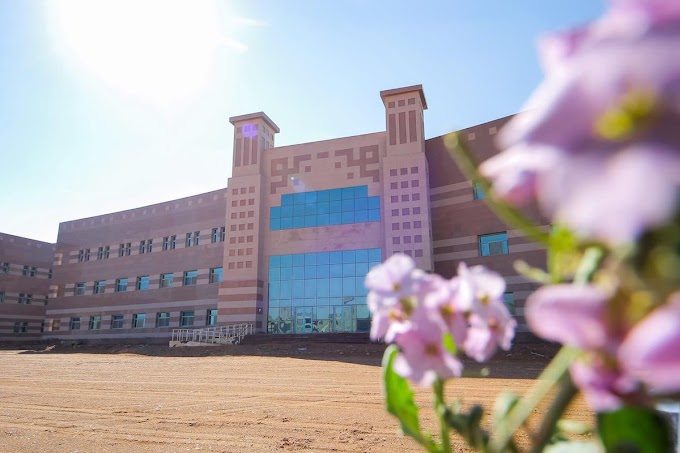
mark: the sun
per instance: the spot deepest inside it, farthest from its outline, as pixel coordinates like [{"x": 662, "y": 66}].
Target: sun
[{"x": 162, "y": 51}]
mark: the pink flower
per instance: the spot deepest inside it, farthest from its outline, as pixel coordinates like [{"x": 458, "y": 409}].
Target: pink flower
[
  {"x": 495, "y": 329},
  {"x": 617, "y": 358},
  {"x": 423, "y": 357},
  {"x": 651, "y": 351},
  {"x": 602, "y": 122}
]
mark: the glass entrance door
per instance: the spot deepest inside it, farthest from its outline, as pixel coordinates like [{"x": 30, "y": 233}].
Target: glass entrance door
[
  {"x": 304, "y": 319},
  {"x": 344, "y": 318}
]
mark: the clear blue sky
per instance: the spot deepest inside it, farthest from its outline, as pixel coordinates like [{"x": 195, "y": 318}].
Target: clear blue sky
[{"x": 111, "y": 105}]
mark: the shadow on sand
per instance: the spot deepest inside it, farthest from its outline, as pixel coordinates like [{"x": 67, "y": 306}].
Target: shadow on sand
[{"x": 523, "y": 361}]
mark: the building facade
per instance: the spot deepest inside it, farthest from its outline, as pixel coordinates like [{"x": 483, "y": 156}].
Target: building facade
[
  {"x": 287, "y": 244},
  {"x": 25, "y": 272}
]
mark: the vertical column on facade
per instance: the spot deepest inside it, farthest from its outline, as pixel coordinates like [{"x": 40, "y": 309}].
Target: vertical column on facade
[
  {"x": 241, "y": 292},
  {"x": 405, "y": 177}
]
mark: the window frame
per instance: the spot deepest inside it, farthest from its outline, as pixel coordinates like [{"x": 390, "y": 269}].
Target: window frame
[
  {"x": 190, "y": 280},
  {"x": 186, "y": 318},
  {"x": 162, "y": 279},
  {"x": 79, "y": 289},
  {"x": 115, "y": 319},
  {"x": 98, "y": 285},
  {"x": 484, "y": 243},
  {"x": 163, "y": 316},
  {"x": 211, "y": 317},
  {"x": 74, "y": 323},
  {"x": 137, "y": 319},
  {"x": 95, "y": 322},
  {"x": 141, "y": 280},
  {"x": 213, "y": 273},
  {"x": 118, "y": 286}
]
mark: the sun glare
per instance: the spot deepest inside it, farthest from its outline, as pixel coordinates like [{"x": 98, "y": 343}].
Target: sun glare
[{"x": 162, "y": 51}]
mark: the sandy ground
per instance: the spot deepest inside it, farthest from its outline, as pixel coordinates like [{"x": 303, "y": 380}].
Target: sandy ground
[{"x": 242, "y": 398}]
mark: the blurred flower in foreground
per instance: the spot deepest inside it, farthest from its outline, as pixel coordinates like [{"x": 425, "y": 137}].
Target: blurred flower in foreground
[
  {"x": 618, "y": 359},
  {"x": 431, "y": 318},
  {"x": 602, "y": 141}
]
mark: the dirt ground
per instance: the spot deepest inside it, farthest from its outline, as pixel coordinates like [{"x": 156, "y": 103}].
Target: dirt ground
[{"x": 258, "y": 398}]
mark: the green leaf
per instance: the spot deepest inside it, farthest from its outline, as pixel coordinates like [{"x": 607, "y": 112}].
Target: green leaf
[
  {"x": 399, "y": 397},
  {"x": 634, "y": 429},
  {"x": 449, "y": 343}
]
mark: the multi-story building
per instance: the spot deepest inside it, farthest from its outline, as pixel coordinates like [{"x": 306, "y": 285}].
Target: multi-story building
[
  {"x": 287, "y": 244},
  {"x": 25, "y": 273}
]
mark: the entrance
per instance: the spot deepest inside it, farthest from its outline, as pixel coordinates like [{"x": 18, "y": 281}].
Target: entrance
[
  {"x": 304, "y": 319},
  {"x": 344, "y": 318}
]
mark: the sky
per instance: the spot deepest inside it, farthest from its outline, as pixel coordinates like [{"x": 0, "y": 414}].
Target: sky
[{"x": 115, "y": 104}]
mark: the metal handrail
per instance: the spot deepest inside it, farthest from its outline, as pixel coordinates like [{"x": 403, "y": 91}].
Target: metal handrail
[{"x": 213, "y": 334}]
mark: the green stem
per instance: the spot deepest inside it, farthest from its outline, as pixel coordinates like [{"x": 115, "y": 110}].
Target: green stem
[
  {"x": 591, "y": 260},
  {"x": 556, "y": 370},
  {"x": 440, "y": 408},
  {"x": 567, "y": 392},
  {"x": 508, "y": 214}
]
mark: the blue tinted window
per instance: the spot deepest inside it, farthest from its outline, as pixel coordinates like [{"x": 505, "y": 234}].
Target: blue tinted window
[
  {"x": 325, "y": 207},
  {"x": 493, "y": 244},
  {"x": 322, "y": 290},
  {"x": 361, "y": 216}
]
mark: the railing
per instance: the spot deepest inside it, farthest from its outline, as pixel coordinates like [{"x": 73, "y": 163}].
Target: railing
[{"x": 232, "y": 334}]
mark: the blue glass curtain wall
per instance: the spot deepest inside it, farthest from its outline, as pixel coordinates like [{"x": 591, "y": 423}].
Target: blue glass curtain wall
[
  {"x": 320, "y": 292},
  {"x": 325, "y": 207}
]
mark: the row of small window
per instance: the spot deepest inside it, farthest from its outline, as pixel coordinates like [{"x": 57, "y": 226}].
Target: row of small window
[
  {"x": 24, "y": 299},
  {"x": 325, "y": 207},
  {"x": 146, "y": 245},
  {"x": 27, "y": 271},
  {"x": 165, "y": 281},
  {"x": 186, "y": 319},
  {"x": 344, "y": 218},
  {"x": 321, "y": 258}
]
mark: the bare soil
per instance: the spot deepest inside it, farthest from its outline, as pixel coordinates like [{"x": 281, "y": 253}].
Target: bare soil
[{"x": 256, "y": 398}]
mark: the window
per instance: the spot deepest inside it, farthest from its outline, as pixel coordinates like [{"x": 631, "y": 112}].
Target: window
[
  {"x": 223, "y": 234},
  {"x": 142, "y": 246},
  {"x": 163, "y": 319},
  {"x": 166, "y": 280},
  {"x": 143, "y": 283},
  {"x": 117, "y": 321},
  {"x": 49, "y": 274},
  {"x": 5, "y": 268},
  {"x": 138, "y": 320},
  {"x": 493, "y": 244},
  {"x": 211, "y": 317},
  {"x": 75, "y": 324},
  {"x": 99, "y": 287},
  {"x": 190, "y": 278},
  {"x": 121, "y": 284},
  {"x": 2, "y": 297},
  {"x": 80, "y": 289},
  {"x": 478, "y": 191},
  {"x": 509, "y": 301},
  {"x": 215, "y": 237},
  {"x": 95, "y": 322},
  {"x": 83, "y": 255},
  {"x": 24, "y": 272},
  {"x": 216, "y": 274},
  {"x": 20, "y": 327},
  {"x": 187, "y": 242},
  {"x": 169, "y": 242},
  {"x": 107, "y": 252},
  {"x": 149, "y": 245},
  {"x": 186, "y": 318},
  {"x": 100, "y": 253},
  {"x": 25, "y": 299},
  {"x": 33, "y": 271},
  {"x": 121, "y": 250},
  {"x": 325, "y": 207},
  {"x": 128, "y": 249},
  {"x": 196, "y": 237}
]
